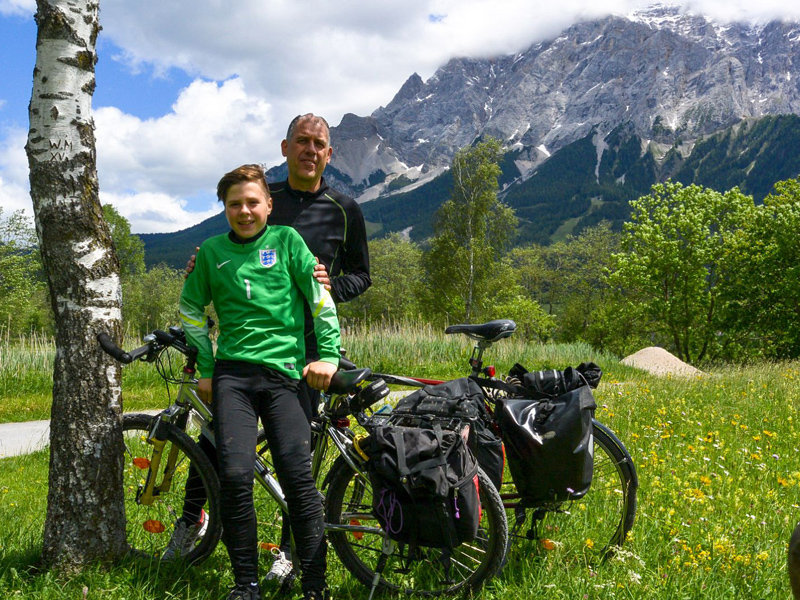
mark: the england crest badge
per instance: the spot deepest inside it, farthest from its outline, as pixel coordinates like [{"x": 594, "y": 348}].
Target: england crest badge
[{"x": 268, "y": 257}]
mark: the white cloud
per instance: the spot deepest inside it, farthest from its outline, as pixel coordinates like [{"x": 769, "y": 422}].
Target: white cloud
[
  {"x": 157, "y": 213},
  {"x": 269, "y": 61},
  {"x": 149, "y": 168},
  {"x": 352, "y": 55},
  {"x": 14, "y": 187},
  {"x": 212, "y": 128},
  {"x": 17, "y": 7},
  {"x": 14, "y": 197}
]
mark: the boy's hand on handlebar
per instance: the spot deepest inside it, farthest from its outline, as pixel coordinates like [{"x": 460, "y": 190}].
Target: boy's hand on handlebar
[
  {"x": 320, "y": 274},
  {"x": 204, "y": 389},
  {"x": 318, "y": 374},
  {"x": 190, "y": 263}
]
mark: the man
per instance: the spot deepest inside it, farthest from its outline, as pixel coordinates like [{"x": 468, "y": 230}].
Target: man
[{"x": 333, "y": 227}]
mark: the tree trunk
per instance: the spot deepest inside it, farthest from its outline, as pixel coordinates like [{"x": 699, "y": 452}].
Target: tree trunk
[{"x": 85, "y": 510}]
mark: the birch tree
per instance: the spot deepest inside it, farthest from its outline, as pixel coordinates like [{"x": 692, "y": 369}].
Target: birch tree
[
  {"x": 473, "y": 231},
  {"x": 85, "y": 511}
]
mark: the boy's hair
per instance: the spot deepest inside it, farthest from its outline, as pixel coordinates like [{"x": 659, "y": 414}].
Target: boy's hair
[
  {"x": 307, "y": 117},
  {"x": 241, "y": 174}
]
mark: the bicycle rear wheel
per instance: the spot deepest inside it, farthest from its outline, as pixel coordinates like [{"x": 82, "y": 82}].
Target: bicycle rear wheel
[
  {"x": 150, "y": 526},
  {"x": 596, "y": 524},
  {"x": 349, "y": 501}
]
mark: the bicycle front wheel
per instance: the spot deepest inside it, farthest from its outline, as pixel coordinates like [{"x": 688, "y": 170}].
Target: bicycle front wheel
[
  {"x": 597, "y": 523},
  {"x": 349, "y": 502},
  {"x": 151, "y": 523}
]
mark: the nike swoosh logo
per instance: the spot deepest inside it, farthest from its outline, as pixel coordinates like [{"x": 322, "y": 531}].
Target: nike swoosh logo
[{"x": 220, "y": 265}]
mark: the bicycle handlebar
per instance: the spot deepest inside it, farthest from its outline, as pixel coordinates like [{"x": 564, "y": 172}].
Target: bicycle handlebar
[{"x": 110, "y": 348}]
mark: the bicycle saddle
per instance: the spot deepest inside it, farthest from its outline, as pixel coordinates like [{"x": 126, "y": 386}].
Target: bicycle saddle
[
  {"x": 345, "y": 382},
  {"x": 489, "y": 332}
]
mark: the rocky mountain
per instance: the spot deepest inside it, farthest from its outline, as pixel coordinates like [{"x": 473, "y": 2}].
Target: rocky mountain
[
  {"x": 590, "y": 119},
  {"x": 670, "y": 75}
]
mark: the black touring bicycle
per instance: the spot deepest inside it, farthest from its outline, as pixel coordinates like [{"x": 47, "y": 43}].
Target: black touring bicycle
[{"x": 562, "y": 479}]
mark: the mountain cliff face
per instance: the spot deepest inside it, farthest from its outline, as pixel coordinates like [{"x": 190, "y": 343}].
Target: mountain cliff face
[
  {"x": 670, "y": 76},
  {"x": 590, "y": 119}
]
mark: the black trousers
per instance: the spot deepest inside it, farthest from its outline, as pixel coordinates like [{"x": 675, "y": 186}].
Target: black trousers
[
  {"x": 243, "y": 393},
  {"x": 195, "y": 497}
]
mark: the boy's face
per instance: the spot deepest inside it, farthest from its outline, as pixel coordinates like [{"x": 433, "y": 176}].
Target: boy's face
[{"x": 247, "y": 207}]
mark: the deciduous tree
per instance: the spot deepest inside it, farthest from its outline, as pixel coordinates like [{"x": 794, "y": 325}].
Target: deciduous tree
[
  {"x": 396, "y": 271},
  {"x": 473, "y": 231},
  {"x": 128, "y": 247},
  {"x": 675, "y": 258},
  {"x": 20, "y": 274},
  {"x": 763, "y": 298},
  {"x": 85, "y": 511}
]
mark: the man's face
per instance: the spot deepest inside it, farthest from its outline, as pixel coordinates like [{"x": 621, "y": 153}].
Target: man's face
[
  {"x": 247, "y": 207},
  {"x": 307, "y": 154}
]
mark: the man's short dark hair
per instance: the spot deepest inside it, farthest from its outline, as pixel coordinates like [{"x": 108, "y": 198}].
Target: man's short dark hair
[
  {"x": 310, "y": 117},
  {"x": 241, "y": 174}
]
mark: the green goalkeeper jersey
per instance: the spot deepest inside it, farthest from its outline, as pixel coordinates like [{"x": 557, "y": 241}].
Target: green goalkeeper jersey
[{"x": 257, "y": 289}]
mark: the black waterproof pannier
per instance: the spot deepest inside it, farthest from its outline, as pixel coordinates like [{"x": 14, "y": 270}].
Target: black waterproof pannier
[
  {"x": 460, "y": 399},
  {"x": 424, "y": 485},
  {"x": 549, "y": 444}
]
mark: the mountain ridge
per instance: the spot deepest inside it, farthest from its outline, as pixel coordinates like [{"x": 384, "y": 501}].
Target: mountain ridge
[{"x": 642, "y": 91}]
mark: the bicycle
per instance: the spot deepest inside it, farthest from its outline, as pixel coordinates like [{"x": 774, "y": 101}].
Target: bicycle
[
  {"x": 159, "y": 452},
  {"x": 595, "y": 524}
]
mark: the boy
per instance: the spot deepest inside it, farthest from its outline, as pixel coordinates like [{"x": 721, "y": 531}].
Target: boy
[{"x": 257, "y": 276}]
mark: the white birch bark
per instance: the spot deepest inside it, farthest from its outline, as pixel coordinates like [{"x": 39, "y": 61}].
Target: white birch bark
[{"x": 85, "y": 511}]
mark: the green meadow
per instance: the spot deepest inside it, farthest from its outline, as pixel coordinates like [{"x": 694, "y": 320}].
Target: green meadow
[{"x": 717, "y": 459}]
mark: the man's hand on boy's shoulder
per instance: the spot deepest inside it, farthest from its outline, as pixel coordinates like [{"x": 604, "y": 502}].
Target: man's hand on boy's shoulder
[
  {"x": 318, "y": 374},
  {"x": 190, "y": 262},
  {"x": 321, "y": 275}
]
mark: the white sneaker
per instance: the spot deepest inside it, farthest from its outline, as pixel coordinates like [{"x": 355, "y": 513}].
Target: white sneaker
[
  {"x": 185, "y": 537},
  {"x": 281, "y": 566}
]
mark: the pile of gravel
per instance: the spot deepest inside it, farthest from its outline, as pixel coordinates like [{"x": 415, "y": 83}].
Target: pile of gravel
[{"x": 660, "y": 362}]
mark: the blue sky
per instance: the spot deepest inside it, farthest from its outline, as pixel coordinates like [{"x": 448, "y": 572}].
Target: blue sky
[{"x": 189, "y": 89}]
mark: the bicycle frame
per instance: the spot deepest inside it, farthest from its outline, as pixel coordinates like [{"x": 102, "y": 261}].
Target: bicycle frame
[{"x": 188, "y": 403}]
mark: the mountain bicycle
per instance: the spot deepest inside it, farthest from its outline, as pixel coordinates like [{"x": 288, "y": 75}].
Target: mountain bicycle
[
  {"x": 160, "y": 451},
  {"x": 593, "y": 525}
]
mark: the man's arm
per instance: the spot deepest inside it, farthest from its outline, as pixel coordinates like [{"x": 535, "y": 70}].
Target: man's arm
[
  {"x": 323, "y": 311},
  {"x": 355, "y": 279}
]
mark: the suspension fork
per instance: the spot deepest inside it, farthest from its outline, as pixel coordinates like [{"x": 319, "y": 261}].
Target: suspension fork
[{"x": 157, "y": 437}]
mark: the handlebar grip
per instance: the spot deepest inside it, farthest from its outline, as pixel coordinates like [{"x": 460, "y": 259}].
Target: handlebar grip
[
  {"x": 346, "y": 365},
  {"x": 110, "y": 348}
]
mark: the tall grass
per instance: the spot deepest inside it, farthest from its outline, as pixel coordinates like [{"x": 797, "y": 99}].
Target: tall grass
[
  {"x": 716, "y": 455},
  {"x": 424, "y": 351},
  {"x": 26, "y": 380}
]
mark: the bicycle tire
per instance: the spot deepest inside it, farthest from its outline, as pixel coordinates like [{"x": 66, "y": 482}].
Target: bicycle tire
[
  {"x": 475, "y": 562},
  {"x": 599, "y": 522},
  {"x": 149, "y": 527}
]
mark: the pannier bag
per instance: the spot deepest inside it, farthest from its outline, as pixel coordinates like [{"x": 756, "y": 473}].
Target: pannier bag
[
  {"x": 549, "y": 444},
  {"x": 424, "y": 485},
  {"x": 551, "y": 383},
  {"x": 462, "y": 399}
]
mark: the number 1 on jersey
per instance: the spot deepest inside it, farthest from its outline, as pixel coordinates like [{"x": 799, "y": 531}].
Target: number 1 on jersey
[{"x": 247, "y": 287}]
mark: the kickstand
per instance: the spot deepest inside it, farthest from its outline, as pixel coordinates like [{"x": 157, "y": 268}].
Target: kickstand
[{"x": 386, "y": 550}]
